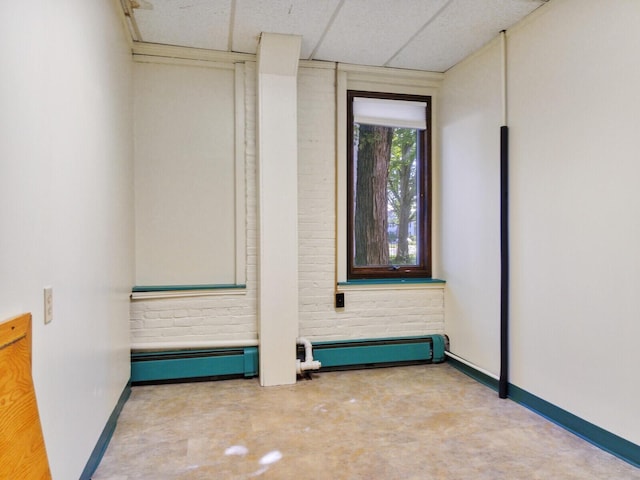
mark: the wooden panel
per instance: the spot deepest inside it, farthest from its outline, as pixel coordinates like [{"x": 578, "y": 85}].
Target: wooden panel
[{"x": 22, "y": 449}]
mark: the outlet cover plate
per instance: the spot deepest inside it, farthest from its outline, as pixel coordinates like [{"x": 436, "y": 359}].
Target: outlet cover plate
[{"x": 48, "y": 304}]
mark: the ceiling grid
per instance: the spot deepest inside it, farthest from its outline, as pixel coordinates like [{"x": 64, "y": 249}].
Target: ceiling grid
[{"x": 428, "y": 35}]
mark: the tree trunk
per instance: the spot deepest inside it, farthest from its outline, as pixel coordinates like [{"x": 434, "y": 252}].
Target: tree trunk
[{"x": 371, "y": 232}]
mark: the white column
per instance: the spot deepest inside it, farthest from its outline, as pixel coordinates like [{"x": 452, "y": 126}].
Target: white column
[{"x": 277, "y": 138}]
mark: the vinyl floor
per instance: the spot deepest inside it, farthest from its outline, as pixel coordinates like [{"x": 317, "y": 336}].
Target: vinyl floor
[{"x": 417, "y": 422}]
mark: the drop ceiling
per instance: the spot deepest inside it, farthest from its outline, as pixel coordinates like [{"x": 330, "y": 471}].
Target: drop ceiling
[{"x": 431, "y": 35}]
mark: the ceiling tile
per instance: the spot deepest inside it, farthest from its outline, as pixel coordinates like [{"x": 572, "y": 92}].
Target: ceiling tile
[
  {"x": 189, "y": 23},
  {"x": 462, "y": 28},
  {"x": 369, "y": 32},
  {"x": 294, "y": 17},
  {"x": 430, "y": 35}
]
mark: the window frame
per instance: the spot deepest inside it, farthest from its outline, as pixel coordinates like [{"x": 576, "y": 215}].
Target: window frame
[{"x": 422, "y": 269}]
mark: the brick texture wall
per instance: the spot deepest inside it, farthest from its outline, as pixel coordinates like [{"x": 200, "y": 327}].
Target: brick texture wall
[
  {"x": 368, "y": 313},
  {"x": 220, "y": 318}
]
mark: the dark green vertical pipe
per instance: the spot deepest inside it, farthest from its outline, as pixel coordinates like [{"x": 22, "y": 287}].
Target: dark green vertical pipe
[{"x": 503, "y": 383}]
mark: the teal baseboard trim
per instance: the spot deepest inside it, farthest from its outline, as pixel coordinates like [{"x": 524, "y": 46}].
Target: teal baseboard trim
[
  {"x": 189, "y": 365},
  {"x": 597, "y": 436},
  {"x": 601, "y": 438},
  {"x": 105, "y": 437},
  {"x": 379, "y": 352}
]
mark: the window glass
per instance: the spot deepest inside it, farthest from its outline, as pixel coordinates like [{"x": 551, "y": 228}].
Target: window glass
[{"x": 388, "y": 186}]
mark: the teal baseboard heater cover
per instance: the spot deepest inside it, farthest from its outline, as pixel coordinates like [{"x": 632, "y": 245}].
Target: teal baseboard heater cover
[
  {"x": 379, "y": 352},
  {"x": 191, "y": 365},
  {"x": 220, "y": 363}
]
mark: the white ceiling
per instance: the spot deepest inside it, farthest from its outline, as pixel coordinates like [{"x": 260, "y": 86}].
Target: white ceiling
[{"x": 430, "y": 35}]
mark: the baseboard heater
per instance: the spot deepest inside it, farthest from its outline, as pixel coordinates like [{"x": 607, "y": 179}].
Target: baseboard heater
[
  {"x": 221, "y": 363},
  {"x": 193, "y": 365},
  {"x": 353, "y": 354}
]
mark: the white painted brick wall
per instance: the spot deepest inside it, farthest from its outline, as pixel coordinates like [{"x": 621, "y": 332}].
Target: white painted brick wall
[
  {"x": 215, "y": 318},
  {"x": 368, "y": 313}
]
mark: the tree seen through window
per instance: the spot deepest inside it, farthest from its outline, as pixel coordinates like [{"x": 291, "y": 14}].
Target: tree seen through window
[{"x": 389, "y": 221}]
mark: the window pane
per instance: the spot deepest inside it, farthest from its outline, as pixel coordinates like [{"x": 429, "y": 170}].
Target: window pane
[
  {"x": 402, "y": 189},
  {"x": 388, "y": 193},
  {"x": 385, "y": 200}
]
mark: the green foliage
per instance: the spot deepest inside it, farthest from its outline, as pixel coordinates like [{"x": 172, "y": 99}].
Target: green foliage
[
  {"x": 401, "y": 193},
  {"x": 402, "y": 190}
]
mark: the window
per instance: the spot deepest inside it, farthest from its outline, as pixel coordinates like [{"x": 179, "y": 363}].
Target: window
[{"x": 388, "y": 181}]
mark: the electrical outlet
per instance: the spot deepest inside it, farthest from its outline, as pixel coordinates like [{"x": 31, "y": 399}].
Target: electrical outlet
[
  {"x": 340, "y": 300},
  {"x": 48, "y": 304}
]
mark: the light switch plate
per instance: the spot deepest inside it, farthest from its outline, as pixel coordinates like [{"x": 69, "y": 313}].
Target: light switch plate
[{"x": 48, "y": 304}]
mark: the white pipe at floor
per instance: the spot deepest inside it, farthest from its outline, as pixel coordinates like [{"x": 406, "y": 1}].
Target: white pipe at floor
[
  {"x": 469, "y": 364},
  {"x": 309, "y": 363}
]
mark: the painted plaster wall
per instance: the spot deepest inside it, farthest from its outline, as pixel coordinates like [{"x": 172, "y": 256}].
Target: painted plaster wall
[
  {"x": 470, "y": 192},
  {"x": 66, "y": 193},
  {"x": 575, "y": 207},
  {"x": 277, "y": 173}
]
